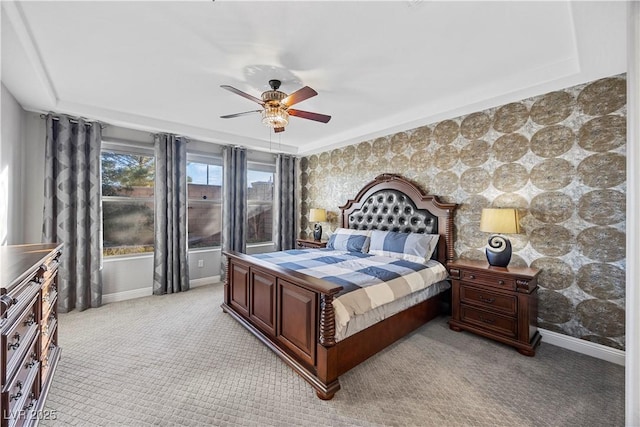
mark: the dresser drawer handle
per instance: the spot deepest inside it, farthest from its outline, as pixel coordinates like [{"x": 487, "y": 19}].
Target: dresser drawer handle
[
  {"x": 34, "y": 360},
  {"x": 488, "y": 320},
  {"x": 16, "y": 344},
  {"x": 45, "y": 330},
  {"x": 18, "y": 395},
  {"x": 31, "y": 404},
  {"x": 487, "y": 300},
  {"x": 500, "y": 282},
  {"x": 30, "y": 320},
  {"x": 471, "y": 276}
]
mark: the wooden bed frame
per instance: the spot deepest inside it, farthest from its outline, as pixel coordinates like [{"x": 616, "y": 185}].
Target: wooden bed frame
[{"x": 292, "y": 313}]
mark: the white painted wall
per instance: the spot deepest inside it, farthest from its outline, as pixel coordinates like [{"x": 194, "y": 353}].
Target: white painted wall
[
  {"x": 33, "y": 165},
  {"x": 11, "y": 171}
]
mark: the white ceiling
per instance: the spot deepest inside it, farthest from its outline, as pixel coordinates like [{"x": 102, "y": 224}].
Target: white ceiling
[{"x": 378, "y": 67}]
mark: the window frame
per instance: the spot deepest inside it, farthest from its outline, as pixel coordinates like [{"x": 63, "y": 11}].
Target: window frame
[
  {"x": 214, "y": 160},
  {"x": 126, "y": 147},
  {"x": 261, "y": 166}
]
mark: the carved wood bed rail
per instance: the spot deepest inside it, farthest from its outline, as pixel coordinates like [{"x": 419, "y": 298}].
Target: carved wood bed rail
[{"x": 292, "y": 313}]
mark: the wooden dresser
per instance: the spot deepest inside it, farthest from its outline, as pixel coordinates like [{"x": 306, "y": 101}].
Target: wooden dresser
[
  {"x": 496, "y": 302},
  {"x": 28, "y": 319}
]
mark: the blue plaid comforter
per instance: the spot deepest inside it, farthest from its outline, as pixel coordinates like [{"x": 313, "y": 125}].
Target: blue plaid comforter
[{"x": 368, "y": 281}]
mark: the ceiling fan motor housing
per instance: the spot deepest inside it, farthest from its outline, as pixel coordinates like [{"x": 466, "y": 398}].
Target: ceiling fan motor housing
[{"x": 273, "y": 96}]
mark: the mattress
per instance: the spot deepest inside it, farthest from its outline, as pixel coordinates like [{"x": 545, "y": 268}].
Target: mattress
[{"x": 374, "y": 287}]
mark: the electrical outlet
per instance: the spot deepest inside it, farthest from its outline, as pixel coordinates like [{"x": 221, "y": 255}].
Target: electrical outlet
[{"x": 200, "y": 263}]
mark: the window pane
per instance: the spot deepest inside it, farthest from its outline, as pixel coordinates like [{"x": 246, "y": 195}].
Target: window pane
[
  {"x": 260, "y": 222},
  {"x": 205, "y": 174},
  {"x": 127, "y": 205},
  {"x": 260, "y": 185},
  {"x": 128, "y": 175},
  {"x": 260, "y": 206},
  {"x": 205, "y": 208},
  {"x": 128, "y": 226},
  {"x": 205, "y": 224}
]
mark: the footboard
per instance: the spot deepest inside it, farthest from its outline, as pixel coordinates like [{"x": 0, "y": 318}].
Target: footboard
[{"x": 289, "y": 312}]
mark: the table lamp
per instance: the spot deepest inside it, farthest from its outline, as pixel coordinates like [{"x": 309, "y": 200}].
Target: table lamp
[
  {"x": 503, "y": 221},
  {"x": 317, "y": 216}
]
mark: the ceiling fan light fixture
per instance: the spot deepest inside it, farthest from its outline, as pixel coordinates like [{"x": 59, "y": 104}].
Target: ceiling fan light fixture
[{"x": 275, "y": 117}]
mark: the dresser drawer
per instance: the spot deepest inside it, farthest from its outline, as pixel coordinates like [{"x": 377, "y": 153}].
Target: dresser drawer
[
  {"x": 49, "y": 300},
  {"x": 479, "y": 296},
  {"x": 49, "y": 329},
  {"x": 17, "y": 395},
  {"x": 50, "y": 357},
  {"x": 20, "y": 297},
  {"x": 504, "y": 325},
  {"x": 494, "y": 280},
  {"x": 18, "y": 337}
]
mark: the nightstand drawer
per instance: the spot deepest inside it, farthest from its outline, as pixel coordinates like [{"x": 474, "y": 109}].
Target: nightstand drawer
[
  {"x": 472, "y": 295},
  {"x": 507, "y": 326},
  {"x": 311, "y": 244},
  {"x": 494, "y": 280}
]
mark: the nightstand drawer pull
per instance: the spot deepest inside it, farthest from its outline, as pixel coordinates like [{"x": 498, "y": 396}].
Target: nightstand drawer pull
[
  {"x": 487, "y": 300},
  {"x": 500, "y": 282},
  {"x": 471, "y": 276},
  {"x": 488, "y": 320}
]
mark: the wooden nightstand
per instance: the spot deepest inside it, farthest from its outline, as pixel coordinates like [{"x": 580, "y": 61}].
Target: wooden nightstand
[
  {"x": 307, "y": 243},
  {"x": 496, "y": 302}
]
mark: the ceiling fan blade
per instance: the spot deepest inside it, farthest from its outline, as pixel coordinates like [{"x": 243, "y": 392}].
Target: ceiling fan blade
[
  {"x": 311, "y": 116},
  {"x": 230, "y": 116},
  {"x": 277, "y": 130},
  {"x": 298, "y": 96},
  {"x": 241, "y": 93}
]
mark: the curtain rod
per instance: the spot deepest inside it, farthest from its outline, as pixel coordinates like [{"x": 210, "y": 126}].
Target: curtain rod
[{"x": 72, "y": 120}]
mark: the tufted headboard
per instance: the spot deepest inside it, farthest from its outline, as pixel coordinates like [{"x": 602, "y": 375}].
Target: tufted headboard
[{"x": 393, "y": 203}]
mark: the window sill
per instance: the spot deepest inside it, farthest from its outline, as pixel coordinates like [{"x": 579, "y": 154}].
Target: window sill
[
  {"x": 205, "y": 250},
  {"x": 259, "y": 245},
  {"x": 113, "y": 258}
]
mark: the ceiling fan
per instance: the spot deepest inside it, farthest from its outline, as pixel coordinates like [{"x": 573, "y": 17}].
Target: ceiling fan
[{"x": 276, "y": 106}]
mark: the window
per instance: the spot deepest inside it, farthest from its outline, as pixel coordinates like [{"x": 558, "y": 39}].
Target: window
[
  {"x": 127, "y": 200},
  {"x": 204, "y": 177},
  {"x": 260, "y": 179}
]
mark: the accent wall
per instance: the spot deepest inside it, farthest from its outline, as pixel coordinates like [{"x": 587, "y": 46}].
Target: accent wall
[{"x": 559, "y": 158}]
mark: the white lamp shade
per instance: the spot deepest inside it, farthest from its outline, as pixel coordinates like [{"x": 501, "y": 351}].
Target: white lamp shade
[
  {"x": 503, "y": 221},
  {"x": 317, "y": 215}
]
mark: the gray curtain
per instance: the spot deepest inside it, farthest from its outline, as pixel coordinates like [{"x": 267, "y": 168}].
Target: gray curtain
[
  {"x": 73, "y": 209},
  {"x": 285, "y": 203},
  {"x": 234, "y": 202},
  {"x": 170, "y": 254}
]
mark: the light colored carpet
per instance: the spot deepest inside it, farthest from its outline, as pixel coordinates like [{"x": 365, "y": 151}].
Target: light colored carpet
[{"x": 178, "y": 360}]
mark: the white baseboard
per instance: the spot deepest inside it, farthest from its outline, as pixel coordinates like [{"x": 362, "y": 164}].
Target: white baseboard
[
  {"x": 125, "y": 295},
  {"x": 583, "y": 346},
  {"x": 145, "y": 292},
  {"x": 194, "y": 283}
]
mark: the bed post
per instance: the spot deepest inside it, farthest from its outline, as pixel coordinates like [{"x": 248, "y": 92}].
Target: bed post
[
  {"x": 327, "y": 350},
  {"x": 227, "y": 299},
  {"x": 449, "y": 234}
]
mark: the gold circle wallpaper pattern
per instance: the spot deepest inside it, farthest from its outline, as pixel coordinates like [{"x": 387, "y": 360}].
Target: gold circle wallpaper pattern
[{"x": 559, "y": 158}]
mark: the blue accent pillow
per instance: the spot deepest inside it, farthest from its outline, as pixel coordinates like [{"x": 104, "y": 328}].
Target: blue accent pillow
[
  {"x": 344, "y": 239},
  {"x": 415, "y": 247}
]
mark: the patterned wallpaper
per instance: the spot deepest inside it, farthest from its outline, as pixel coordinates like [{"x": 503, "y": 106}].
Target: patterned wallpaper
[{"x": 559, "y": 158}]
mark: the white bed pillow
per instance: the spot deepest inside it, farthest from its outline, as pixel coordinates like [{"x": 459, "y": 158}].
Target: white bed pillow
[
  {"x": 415, "y": 247},
  {"x": 345, "y": 239}
]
